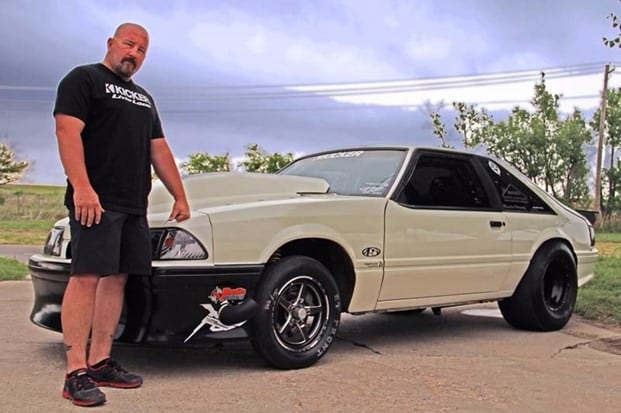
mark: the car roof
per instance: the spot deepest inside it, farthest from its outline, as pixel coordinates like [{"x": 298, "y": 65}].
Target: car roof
[{"x": 396, "y": 147}]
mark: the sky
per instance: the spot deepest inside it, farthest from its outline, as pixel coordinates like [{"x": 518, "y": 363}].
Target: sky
[{"x": 303, "y": 76}]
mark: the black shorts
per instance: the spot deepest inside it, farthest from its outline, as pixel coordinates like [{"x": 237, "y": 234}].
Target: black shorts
[{"x": 119, "y": 244}]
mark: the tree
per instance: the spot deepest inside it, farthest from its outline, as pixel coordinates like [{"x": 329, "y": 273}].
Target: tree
[
  {"x": 474, "y": 126},
  {"x": 611, "y": 176},
  {"x": 432, "y": 110},
  {"x": 439, "y": 129},
  {"x": 616, "y": 24},
  {"x": 10, "y": 170},
  {"x": 202, "y": 162},
  {"x": 258, "y": 160},
  {"x": 547, "y": 149}
]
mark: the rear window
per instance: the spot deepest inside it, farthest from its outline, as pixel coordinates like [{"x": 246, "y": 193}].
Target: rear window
[{"x": 514, "y": 195}]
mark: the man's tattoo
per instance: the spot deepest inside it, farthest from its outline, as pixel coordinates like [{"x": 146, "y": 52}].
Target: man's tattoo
[{"x": 68, "y": 347}]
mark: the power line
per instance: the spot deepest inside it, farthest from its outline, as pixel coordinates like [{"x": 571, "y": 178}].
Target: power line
[
  {"x": 387, "y": 89},
  {"x": 355, "y": 107},
  {"x": 336, "y": 90},
  {"x": 549, "y": 69},
  {"x": 556, "y": 71}
]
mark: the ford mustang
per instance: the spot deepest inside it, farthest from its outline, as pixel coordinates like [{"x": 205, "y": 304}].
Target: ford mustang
[{"x": 276, "y": 258}]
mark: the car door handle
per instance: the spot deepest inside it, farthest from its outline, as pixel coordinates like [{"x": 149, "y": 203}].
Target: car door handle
[{"x": 497, "y": 224}]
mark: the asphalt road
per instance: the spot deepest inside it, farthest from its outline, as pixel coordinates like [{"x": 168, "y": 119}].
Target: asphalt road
[
  {"x": 20, "y": 252},
  {"x": 456, "y": 362}
]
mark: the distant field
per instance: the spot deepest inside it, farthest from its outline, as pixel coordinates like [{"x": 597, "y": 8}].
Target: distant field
[{"x": 28, "y": 211}]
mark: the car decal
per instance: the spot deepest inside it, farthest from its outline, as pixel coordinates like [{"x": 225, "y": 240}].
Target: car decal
[
  {"x": 348, "y": 154},
  {"x": 220, "y": 295},
  {"x": 494, "y": 167},
  {"x": 371, "y": 252},
  {"x": 220, "y": 298}
]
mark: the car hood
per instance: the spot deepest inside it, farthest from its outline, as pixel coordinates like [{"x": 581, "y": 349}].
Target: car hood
[{"x": 228, "y": 188}]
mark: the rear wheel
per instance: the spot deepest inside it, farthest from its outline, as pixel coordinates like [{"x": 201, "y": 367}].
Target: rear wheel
[
  {"x": 299, "y": 313},
  {"x": 545, "y": 297}
]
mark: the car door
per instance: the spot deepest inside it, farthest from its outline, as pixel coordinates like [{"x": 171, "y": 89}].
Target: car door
[{"x": 445, "y": 235}]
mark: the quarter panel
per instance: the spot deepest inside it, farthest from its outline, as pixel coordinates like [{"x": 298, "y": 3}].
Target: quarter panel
[{"x": 530, "y": 231}]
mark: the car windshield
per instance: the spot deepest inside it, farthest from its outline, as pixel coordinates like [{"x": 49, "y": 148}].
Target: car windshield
[{"x": 367, "y": 172}]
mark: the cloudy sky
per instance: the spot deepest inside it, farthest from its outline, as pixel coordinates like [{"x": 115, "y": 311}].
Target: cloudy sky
[{"x": 299, "y": 76}]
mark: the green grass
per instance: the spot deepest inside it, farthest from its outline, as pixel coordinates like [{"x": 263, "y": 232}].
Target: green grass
[
  {"x": 601, "y": 298},
  {"x": 608, "y": 237},
  {"x": 11, "y": 269},
  {"x": 27, "y": 212}
]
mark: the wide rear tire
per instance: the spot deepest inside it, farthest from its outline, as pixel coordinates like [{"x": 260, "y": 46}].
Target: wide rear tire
[{"x": 545, "y": 297}]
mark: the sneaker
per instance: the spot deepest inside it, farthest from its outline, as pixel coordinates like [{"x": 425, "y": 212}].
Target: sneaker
[
  {"x": 109, "y": 373},
  {"x": 82, "y": 390}
]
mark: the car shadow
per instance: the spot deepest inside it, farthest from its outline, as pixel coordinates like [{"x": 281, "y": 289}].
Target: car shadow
[{"x": 388, "y": 329}]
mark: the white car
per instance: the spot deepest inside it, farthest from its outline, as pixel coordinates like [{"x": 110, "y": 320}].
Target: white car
[{"x": 277, "y": 258}]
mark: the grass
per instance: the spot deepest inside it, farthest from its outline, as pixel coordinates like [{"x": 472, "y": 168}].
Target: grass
[
  {"x": 601, "y": 298},
  {"x": 11, "y": 269},
  {"x": 27, "y": 212}
]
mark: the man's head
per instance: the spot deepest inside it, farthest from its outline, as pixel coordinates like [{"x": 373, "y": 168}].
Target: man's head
[{"x": 127, "y": 49}]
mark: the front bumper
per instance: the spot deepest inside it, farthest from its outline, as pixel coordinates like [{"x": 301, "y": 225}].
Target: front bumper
[{"x": 166, "y": 306}]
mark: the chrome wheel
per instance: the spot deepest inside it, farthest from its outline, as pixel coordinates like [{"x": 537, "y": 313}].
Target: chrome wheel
[{"x": 301, "y": 313}]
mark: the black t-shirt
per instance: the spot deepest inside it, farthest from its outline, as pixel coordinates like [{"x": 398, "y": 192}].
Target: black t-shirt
[{"x": 120, "y": 120}]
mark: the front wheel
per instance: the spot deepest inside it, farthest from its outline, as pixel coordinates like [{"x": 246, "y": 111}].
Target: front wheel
[{"x": 299, "y": 313}]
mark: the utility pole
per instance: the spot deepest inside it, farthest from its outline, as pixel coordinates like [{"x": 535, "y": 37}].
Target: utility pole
[{"x": 600, "y": 145}]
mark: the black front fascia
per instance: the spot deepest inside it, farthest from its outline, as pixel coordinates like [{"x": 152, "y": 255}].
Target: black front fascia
[
  {"x": 49, "y": 279},
  {"x": 164, "y": 306},
  {"x": 179, "y": 293}
]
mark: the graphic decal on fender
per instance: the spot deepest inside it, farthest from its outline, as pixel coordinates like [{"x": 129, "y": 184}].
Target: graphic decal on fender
[
  {"x": 371, "y": 252},
  {"x": 220, "y": 298},
  {"x": 220, "y": 295}
]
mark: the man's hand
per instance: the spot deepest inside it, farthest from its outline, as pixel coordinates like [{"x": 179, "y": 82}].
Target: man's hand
[
  {"x": 164, "y": 164},
  {"x": 87, "y": 210},
  {"x": 180, "y": 211}
]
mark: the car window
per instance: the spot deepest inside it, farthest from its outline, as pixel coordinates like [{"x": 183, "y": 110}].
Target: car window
[
  {"x": 514, "y": 195},
  {"x": 356, "y": 172},
  {"x": 444, "y": 181}
]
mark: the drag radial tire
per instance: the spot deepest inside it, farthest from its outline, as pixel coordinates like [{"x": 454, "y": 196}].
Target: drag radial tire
[
  {"x": 299, "y": 313},
  {"x": 545, "y": 297}
]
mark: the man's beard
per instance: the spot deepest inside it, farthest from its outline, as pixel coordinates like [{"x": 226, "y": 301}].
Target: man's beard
[{"x": 126, "y": 68}]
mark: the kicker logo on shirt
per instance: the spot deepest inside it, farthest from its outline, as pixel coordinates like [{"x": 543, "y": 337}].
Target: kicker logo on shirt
[{"x": 119, "y": 92}]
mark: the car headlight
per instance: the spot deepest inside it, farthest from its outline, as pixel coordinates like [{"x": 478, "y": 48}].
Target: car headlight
[
  {"x": 177, "y": 244},
  {"x": 54, "y": 241}
]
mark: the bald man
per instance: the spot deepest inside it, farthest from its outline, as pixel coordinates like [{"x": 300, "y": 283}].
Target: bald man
[{"x": 109, "y": 135}]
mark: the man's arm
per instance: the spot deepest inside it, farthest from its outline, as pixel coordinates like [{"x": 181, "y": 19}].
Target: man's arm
[
  {"x": 88, "y": 210},
  {"x": 164, "y": 164}
]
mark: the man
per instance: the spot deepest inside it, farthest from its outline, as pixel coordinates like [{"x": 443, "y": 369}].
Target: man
[{"x": 109, "y": 134}]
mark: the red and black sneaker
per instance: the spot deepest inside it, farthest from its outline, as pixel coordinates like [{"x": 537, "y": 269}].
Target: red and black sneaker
[
  {"x": 109, "y": 373},
  {"x": 82, "y": 390}
]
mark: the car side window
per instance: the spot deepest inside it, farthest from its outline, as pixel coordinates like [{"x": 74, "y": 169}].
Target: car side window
[
  {"x": 514, "y": 195},
  {"x": 444, "y": 181}
]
